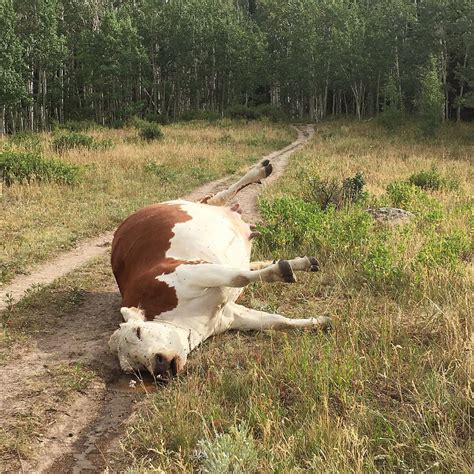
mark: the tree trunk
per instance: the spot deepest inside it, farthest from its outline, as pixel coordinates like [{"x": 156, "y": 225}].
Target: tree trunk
[{"x": 461, "y": 91}]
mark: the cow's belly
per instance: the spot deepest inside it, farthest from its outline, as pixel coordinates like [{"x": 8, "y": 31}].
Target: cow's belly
[{"x": 213, "y": 234}]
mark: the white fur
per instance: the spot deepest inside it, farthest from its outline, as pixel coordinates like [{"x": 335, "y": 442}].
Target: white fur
[{"x": 206, "y": 292}]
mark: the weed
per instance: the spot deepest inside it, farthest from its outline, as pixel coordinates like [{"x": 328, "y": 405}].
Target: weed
[
  {"x": 432, "y": 180},
  {"x": 164, "y": 172},
  {"x": 75, "y": 376},
  {"x": 72, "y": 140},
  {"x": 28, "y": 140},
  {"x": 329, "y": 192},
  {"x": 150, "y": 131},
  {"x": 17, "y": 167}
]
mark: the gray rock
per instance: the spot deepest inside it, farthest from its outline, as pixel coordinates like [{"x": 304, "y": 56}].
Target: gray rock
[{"x": 390, "y": 215}]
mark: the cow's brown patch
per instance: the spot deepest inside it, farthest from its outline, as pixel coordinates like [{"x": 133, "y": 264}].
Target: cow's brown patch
[{"x": 138, "y": 257}]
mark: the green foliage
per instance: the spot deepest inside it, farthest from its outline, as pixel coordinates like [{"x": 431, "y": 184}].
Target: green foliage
[
  {"x": 392, "y": 116},
  {"x": 78, "y": 125},
  {"x": 23, "y": 168},
  {"x": 165, "y": 173},
  {"x": 68, "y": 141},
  {"x": 200, "y": 115},
  {"x": 242, "y": 112},
  {"x": 150, "y": 132},
  {"x": 432, "y": 180},
  {"x": 232, "y": 452},
  {"x": 329, "y": 192},
  {"x": 445, "y": 250},
  {"x": 431, "y": 99},
  {"x": 27, "y": 140}
]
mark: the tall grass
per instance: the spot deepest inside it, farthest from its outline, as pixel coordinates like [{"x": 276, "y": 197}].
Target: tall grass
[
  {"x": 389, "y": 389},
  {"x": 38, "y": 220}
]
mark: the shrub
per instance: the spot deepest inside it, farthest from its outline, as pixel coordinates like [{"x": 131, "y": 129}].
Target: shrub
[
  {"x": 330, "y": 192},
  {"x": 243, "y": 112},
  {"x": 149, "y": 131},
  {"x": 161, "y": 119},
  {"x": 432, "y": 179},
  {"x": 235, "y": 452},
  {"x": 200, "y": 115},
  {"x": 28, "y": 140},
  {"x": 444, "y": 250},
  {"x": 69, "y": 141},
  {"x": 272, "y": 112},
  {"x": 28, "y": 167},
  {"x": 78, "y": 125},
  {"x": 161, "y": 171}
]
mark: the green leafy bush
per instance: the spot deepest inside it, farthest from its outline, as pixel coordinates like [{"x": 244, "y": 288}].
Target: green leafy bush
[
  {"x": 161, "y": 171},
  {"x": 330, "y": 192},
  {"x": 28, "y": 140},
  {"x": 432, "y": 180},
  {"x": 445, "y": 250},
  {"x": 243, "y": 113},
  {"x": 200, "y": 115},
  {"x": 78, "y": 125},
  {"x": 150, "y": 131},
  {"x": 272, "y": 112},
  {"x": 71, "y": 140},
  {"x": 22, "y": 168}
]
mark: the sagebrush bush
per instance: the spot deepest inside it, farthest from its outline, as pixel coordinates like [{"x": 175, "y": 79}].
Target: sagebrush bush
[
  {"x": 165, "y": 173},
  {"x": 330, "y": 192},
  {"x": 233, "y": 452},
  {"x": 28, "y": 140},
  {"x": 16, "y": 167},
  {"x": 71, "y": 140},
  {"x": 150, "y": 131},
  {"x": 78, "y": 125},
  {"x": 432, "y": 180}
]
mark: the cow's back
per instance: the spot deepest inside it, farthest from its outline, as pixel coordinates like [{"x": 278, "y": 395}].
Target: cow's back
[{"x": 156, "y": 239}]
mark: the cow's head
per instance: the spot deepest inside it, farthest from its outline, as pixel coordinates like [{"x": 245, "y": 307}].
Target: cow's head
[{"x": 151, "y": 345}]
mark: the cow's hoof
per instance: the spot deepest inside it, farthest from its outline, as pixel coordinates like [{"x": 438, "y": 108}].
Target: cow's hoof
[
  {"x": 286, "y": 271},
  {"x": 265, "y": 162},
  {"x": 314, "y": 264},
  {"x": 324, "y": 323},
  {"x": 268, "y": 170}
]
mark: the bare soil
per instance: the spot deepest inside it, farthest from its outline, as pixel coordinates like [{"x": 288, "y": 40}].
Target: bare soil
[{"x": 78, "y": 431}]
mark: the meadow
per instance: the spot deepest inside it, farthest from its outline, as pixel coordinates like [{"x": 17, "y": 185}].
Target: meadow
[
  {"x": 388, "y": 390},
  {"x": 93, "y": 179}
]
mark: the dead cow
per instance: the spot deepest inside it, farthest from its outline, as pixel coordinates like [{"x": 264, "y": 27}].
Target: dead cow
[{"x": 180, "y": 267}]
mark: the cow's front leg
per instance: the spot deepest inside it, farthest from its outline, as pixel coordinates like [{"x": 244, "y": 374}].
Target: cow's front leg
[
  {"x": 246, "y": 319},
  {"x": 211, "y": 275},
  {"x": 255, "y": 175}
]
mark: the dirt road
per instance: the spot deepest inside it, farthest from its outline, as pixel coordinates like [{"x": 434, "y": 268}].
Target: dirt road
[{"x": 79, "y": 433}]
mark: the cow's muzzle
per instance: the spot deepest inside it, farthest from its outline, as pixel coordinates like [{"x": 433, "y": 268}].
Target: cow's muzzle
[{"x": 165, "y": 366}]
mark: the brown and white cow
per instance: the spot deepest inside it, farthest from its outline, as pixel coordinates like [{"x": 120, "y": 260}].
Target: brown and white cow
[{"x": 180, "y": 267}]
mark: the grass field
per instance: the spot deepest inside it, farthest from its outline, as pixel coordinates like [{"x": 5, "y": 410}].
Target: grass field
[
  {"x": 389, "y": 389},
  {"x": 119, "y": 175}
]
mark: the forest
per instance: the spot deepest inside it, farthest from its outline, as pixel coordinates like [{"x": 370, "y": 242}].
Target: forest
[{"x": 109, "y": 60}]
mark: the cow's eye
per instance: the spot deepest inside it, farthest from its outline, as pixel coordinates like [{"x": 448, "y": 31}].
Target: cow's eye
[{"x": 139, "y": 333}]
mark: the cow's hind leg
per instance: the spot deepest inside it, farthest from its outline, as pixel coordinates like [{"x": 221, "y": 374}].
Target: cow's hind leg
[
  {"x": 246, "y": 319},
  {"x": 210, "y": 275},
  {"x": 254, "y": 175}
]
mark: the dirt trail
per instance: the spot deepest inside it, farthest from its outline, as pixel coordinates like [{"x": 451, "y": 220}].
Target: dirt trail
[{"x": 79, "y": 433}]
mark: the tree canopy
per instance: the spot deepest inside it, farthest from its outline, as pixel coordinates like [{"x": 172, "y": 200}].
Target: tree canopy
[{"x": 106, "y": 60}]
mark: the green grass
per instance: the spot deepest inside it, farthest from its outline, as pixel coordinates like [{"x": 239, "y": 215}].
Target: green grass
[
  {"x": 388, "y": 390},
  {"x": 40, "y": 219}
]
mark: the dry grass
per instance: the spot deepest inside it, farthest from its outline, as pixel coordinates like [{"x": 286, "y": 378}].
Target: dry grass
[
  {"x": 389, "y": 389},
  {"x": 38, "y": 220}
]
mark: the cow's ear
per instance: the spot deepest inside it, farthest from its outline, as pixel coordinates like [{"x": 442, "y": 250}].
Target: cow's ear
[{"x": 132, "y": 313}]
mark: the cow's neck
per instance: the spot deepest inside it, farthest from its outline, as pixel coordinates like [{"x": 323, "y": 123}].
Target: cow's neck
[{"x": 189, "y": 337}]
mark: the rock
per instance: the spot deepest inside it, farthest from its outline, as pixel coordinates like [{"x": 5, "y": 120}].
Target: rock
[{"x": 390, "y": 215}]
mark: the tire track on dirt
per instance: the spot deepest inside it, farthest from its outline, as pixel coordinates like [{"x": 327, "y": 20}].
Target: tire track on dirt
[{"x": 82, "y": 432}]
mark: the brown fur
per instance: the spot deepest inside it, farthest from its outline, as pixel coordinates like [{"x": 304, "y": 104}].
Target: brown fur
[{"x": 138, "y": 257}]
